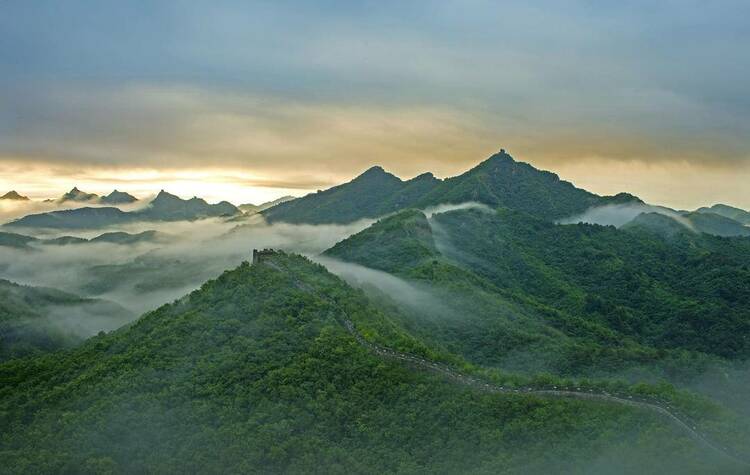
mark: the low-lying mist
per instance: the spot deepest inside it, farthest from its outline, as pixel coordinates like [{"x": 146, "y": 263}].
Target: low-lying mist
[
  {"x": 430, "y": 211},
  {"x": 620, "y": 214},
  {"x": 408, "y": 294},
  {"x": 144, "y": 275}
]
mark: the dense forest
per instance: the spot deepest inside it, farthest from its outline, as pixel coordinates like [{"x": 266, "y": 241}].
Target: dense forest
[
  {"x": 35, "y": 320},
  {"x": 522, "y": 293},
  {"x": 254, "y": 373}
]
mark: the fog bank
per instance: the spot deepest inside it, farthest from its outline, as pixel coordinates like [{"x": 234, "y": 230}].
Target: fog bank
[{"x": 620, "y": 214}]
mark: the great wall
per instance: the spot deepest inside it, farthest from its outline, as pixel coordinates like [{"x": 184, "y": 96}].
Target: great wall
[{"x": 660, "y": 407}]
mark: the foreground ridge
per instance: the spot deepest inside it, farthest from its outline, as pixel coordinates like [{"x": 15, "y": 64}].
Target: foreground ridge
[
  {"x": 660, "y": 407},
  {"x": 663, "y": 408}
]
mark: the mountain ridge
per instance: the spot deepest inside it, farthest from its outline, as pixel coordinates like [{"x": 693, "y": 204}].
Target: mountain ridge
[
  {"x": 164, "y": 207},
  {"x": 497, "y": 181}
]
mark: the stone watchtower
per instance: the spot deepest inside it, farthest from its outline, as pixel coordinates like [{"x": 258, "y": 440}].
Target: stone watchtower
[{"x": 259, "y": 256}]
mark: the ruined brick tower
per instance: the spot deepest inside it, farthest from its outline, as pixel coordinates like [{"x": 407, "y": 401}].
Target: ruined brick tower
[{"x": 258, "y": 256}]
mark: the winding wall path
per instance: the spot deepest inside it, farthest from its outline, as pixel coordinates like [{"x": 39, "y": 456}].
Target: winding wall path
[{"x": 660, "y": 407}]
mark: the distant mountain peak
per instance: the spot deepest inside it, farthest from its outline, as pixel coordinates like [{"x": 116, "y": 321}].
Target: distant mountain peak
[
  {"x": 424, "y": 176},
  {"x": 166, "y": 196},
  {"x": 118, "y": 197},
  {"x": 13, "y": 195},
  {"x": 622, "y": 198},
  {"x": 503, "y": 162},
  {"x": 497, "y": 181},
  {"x": 376, "y": 174},
  {"x": 167, "y": 206},
  {"x": 732, "y": 212},
  {"x": 375, "y": 171},
  {"x": 77, "y": 195},
  {"x": 502, "y": 155}
]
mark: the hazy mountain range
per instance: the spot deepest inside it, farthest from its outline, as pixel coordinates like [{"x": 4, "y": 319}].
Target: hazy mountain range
[
  {"x": 498, "y": 181},
  {"x": 27, "y": 242},
  {"x": 164, "y": 207},
  {"x": 76, "y": 195}
]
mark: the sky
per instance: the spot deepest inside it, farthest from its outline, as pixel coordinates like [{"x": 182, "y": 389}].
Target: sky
[{"x": 248, "y": 101}]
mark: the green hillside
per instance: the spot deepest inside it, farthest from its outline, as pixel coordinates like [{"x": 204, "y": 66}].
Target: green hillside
[
  {"x": 372, "y": 194},
  {"x": 730, "y": 212},
  {"x": 36, "y": 320},
  {"x": 502, "y": 181},
  {"x": 718, "y": 225},
  {"x": 521, "y": 293},
  {"x": 659, "y": 224},
  {"x": 256, "y": 373},
  {"x": 690, "y": 294}
]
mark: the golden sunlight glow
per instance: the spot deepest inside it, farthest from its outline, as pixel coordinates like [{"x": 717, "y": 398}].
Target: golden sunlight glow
[{"x": 212, "y": 185}]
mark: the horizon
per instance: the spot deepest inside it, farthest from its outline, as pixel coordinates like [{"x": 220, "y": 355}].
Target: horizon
[{"x": 217, "y": 191}]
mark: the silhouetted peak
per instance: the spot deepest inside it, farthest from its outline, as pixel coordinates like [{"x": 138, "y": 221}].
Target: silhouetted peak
[
  {"x": 13, "y": 195},
  {"x": 623, "y": 197},
  {"x": 502, "y": 155},
  {"x": 373, "y": 171},
  {"x": 119, "y": 197},
  {"x": 424, "y": 176},
  {"x": 376, "y": 173},
  {"x": 164, "y": 196},
  {"x": 77, "y": 195}
]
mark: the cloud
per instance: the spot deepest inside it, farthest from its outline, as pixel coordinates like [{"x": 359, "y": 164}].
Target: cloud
[
  {"x": 187, "y": 128},
  {"x": 430, "y": 211},
  {"x": 301, "y": 96},
  {"x": 414, "y": 298},
  {"x": 142, "y": 276},
  {"x": 620, "y": 214}
]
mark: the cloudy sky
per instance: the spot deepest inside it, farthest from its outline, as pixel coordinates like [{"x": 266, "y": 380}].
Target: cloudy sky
[{"x": 248, "y": 101}]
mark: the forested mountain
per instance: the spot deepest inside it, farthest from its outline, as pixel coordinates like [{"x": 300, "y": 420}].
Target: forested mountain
[
  {"x": 730, "y": 212},
  {"x": 502, "y": 181},
  {"x": 585, "y": 298},
  {"x": 35, "y": 320},
  {"x": 256, "y": 372},
  {"x": 498, "y": 181},
  {"x": 18, "y": 241},
  {"x": 168, "y": 207},
  {"x": 716, "y": 224},
  {"x": 118, "y": 198},
  {"x": 120, "y": 237},
  {"x": 372, "y": 194},
  {"x": 21, "y": 241},
  {"x": 79, "y": 218},
  {"x": 659, "y": 224}
]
